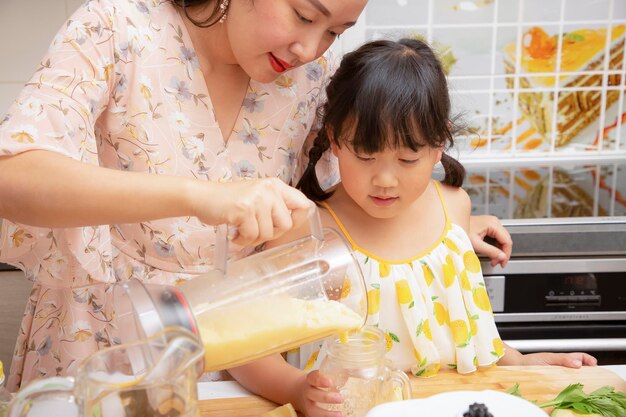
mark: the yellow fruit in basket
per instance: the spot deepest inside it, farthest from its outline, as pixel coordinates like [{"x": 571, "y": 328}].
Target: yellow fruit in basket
[
  {"x": 481, "y": 298},
  {"x": 403, "y": 291},
  {"x": 471, "y": 261},
  {"x": 286, "y": 410},
  {"x": 460, "y": 332},
  {"x": 373, "y": 301},
  {"x": 449, "y": 273}
]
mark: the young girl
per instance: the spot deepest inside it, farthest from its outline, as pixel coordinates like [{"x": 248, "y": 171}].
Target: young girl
[{"x": 387, "y": 121}]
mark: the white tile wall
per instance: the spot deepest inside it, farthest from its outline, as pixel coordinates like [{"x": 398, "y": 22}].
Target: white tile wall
[{"x": 26, "y": 30}]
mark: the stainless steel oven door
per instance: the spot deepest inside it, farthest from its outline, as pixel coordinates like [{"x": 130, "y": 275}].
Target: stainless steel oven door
[{"x": 562, "y": 305}]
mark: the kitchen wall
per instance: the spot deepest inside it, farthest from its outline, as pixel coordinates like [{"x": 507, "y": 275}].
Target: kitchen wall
[
  {"x": 534, "y": 79},
  {"x": 26, "y": 30}
]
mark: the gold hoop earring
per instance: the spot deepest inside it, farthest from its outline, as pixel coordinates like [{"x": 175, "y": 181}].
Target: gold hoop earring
[{"x": 223, "y": 10}]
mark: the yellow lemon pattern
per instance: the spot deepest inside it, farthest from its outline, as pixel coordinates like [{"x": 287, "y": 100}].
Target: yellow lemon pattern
[
  {"x": 449, "y": 274},
  {"x": 453, "y": 247},
  {"x": 311, "y": 361},
  {"x": 403, "y": 292},
  {"x": 481, "y": 299},
  {"x": 440, "y": 313},
  {"x": 498, "y": 347},
  {"x": 390, "y": 338},
  {"x": 428, "y": 274},
  {"x": 460, "y": 332},
  {"x": 471, "y": 261},
  {"x": 373, "y": 301},
  {"x": 465, "y": 282},
  {"x": 384, "y": 269}
]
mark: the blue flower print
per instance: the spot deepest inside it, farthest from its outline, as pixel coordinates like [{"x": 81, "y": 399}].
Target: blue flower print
[
  {"x": 249, "y": 134},
  {"x": 122, "y": 84},
  {"x": 254, "y": 102},
  {"x": 245, "y": 169},
  {"x": 179, "y": 88},
  {"x": 188, "y": 56},
  {"x": 142, "y": 7},
  {"x": 314, "y": 71},
  {"x": 164, "y": 248}
]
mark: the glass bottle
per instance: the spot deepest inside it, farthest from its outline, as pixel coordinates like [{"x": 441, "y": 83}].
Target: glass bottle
[{"x": 357, "y": 365}]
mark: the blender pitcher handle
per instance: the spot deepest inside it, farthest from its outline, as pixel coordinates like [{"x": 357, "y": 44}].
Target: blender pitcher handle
[
  {"x": 223, "y": 233},
  {"x": 61, "y": 389}
]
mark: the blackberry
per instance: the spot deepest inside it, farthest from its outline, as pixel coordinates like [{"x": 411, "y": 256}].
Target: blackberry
[{"x": 477, "y": 410}]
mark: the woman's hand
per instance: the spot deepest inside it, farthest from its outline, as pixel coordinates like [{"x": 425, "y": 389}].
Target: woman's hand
[
  {"x": 314, "y": 389},
  {"x": 569, "y": 360},
  {"x": 260, "y": 210},
  {"x": 489, "y": 226}
]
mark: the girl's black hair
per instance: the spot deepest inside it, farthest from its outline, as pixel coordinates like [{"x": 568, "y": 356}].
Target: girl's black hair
[
  {"x": 386, "y": 94},
  {"x": 214, "y": 17}
]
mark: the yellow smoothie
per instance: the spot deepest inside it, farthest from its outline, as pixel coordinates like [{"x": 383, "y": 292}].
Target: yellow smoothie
[{"x": 235, "y": 334}]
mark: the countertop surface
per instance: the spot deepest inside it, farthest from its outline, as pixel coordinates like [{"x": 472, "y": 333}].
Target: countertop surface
[{"x": 542, "y": 383}]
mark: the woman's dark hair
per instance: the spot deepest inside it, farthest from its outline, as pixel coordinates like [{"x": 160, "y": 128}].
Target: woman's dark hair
[
  {"x": 214, "y": 17},
  {"x": 386, "y": 94}
]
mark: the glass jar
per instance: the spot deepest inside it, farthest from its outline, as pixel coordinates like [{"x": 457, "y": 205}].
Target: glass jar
[{"x": 357, "y": 365}]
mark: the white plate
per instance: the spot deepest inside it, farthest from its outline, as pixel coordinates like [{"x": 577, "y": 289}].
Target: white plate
[{"x": 455, "y": 403}]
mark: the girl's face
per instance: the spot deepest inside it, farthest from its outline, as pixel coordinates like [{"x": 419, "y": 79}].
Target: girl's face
[
  {"x": 268, "y": 37},
  {"x": 385, "y": 183}
]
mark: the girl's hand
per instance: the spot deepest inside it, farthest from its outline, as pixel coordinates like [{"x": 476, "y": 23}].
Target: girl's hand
[
  {"x": 489, "y": 226},
  {"x": 314, "y": 389},
  {"x": 260, "y": 210}
]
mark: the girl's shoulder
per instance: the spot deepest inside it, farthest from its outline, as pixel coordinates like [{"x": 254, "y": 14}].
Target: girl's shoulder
[{"x": 457, "y": 203}]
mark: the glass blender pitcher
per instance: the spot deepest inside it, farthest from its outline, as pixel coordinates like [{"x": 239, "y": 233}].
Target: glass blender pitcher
[
  {"x": 156, "y": 377},
  {"x": 268, "y": 302}
]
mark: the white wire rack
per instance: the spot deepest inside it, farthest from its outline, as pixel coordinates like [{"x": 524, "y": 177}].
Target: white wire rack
[{"x": 492, "y": 97}]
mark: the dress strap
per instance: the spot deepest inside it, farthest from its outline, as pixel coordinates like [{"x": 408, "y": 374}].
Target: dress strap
[
  {"x": 443, "y": 204},
  {"x": 341, "y": 227}
]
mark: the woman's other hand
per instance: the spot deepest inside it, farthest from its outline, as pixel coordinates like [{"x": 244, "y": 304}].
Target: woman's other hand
[
  {"x": 314, "y": 390},
  {"x": 489, "y": 226},
  {"x": 260, "y": 210}
]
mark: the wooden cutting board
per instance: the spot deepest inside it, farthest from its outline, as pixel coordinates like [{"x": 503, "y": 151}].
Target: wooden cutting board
[{"x": 540, "y": 383}]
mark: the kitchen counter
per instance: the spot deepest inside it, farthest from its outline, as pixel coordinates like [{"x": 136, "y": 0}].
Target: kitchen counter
[{"x": 542, "y": 383}]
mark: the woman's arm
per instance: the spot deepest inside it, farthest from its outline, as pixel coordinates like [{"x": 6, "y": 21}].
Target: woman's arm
[{"x": 43, "y": 188}]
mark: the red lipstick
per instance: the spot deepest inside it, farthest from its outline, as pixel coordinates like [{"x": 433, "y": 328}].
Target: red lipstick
[{"x": 278, "y": 64}]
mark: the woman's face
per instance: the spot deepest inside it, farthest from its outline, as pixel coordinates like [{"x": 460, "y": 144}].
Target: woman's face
[{"x": 268, "y": 37}]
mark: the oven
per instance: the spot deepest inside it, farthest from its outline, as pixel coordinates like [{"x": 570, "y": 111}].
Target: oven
[{"x": 564, "y": 288}]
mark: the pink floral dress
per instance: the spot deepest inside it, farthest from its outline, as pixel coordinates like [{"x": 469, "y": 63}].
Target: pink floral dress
[{"x": 121, "y": 87}]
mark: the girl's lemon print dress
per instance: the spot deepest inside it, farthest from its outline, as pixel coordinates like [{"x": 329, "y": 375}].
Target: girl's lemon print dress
[{"x": 433, "y": 308}]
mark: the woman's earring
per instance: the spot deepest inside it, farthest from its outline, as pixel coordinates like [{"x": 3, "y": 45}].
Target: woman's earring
[{"x": 224, "y": 9}]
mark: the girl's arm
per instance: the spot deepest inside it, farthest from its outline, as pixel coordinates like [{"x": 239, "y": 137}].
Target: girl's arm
[
  {"x": 273, "y": 378},
  {"x": 570, "y": 360},
  {"x": 47, "y": 189}
]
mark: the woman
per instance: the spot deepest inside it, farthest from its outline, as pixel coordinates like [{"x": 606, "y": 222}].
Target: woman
[{"x": 121, "y": 154}]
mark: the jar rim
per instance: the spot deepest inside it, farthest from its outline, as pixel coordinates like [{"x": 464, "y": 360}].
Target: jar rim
[{"x": 360, "y": 346}]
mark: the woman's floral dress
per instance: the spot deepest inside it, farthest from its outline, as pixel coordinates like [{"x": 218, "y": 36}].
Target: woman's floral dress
[{"x": 121, "y": 87}]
